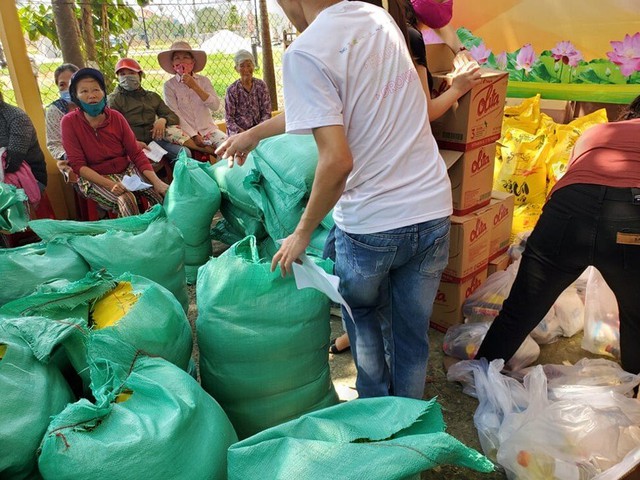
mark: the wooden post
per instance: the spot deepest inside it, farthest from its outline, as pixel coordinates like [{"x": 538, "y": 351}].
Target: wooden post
[
  {"x": 267, "y": 55},
  {"x": 28, "y": 98}
]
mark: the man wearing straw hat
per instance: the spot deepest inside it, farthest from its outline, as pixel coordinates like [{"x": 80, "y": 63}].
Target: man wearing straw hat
[
  {"x": 350, "y": 81},
  {"x": 191, "y": 96}
]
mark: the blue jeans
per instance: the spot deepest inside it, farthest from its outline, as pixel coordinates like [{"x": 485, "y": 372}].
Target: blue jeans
[
  {"x": 172, "y": 150},
  {"x": 390, "y": 280}
]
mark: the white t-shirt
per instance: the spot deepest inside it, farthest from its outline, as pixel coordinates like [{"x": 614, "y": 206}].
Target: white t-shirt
[{"x": 351, "y": 67}]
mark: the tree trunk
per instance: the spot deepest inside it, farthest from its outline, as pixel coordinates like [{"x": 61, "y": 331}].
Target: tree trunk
[
  {"x": 267, "y": 55},
  {"x": 67, "y": 29},
  {"x": 88, "y": 35}
]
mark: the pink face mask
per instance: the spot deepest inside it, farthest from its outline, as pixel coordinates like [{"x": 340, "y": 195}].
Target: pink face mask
[
  {"x": 183, "y": 68},
  {"x": 432, "y": 13}
]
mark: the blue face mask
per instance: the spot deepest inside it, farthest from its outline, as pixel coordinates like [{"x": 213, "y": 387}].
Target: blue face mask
[
  {"x": 65, "y": 95},
  {"x": 95, "y": 109}
]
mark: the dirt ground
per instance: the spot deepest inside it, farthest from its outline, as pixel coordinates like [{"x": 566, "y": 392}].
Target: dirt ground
[{"x": 457, "y": 408}]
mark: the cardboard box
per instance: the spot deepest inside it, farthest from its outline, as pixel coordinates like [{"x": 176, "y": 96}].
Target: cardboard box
[
  {"x": 447, "y": 307},
  {"x": 469, "y": 245},
  {"x": 471, "y": 175},
  {"x": 476, "y": 119},
  {"x": 501, "y": 262},
  {"x": 502, "y": 206}
]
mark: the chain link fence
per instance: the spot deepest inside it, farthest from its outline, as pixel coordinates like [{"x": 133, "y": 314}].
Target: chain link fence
[{"x": 140, "y": 29}]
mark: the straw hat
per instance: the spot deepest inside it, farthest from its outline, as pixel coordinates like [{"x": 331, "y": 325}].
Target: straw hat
[{"x": 165, "y": 59}]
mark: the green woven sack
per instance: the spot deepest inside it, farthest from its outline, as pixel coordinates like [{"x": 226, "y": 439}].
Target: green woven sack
[
  {"x": 13, "y": 210},
  {"x": 387, "y": 438},
  {"x": 237, "y": 206},
  {"x": 280, "y": 182},
  {"x": 150, "y": 420},
  {"x": 191, "y": 202},
  {"x": 263, "y": 343},
  {"x": 22, "y": 269},
  {"x": 32, "y": 390},
  {"x": 133, "y": 309},
  {"x": 147, "y": 245}
]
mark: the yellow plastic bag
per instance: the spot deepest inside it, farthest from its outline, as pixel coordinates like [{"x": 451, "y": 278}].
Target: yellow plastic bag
[
  {"x": 525, "y": 116},
  {"x": 114, "y": 305},
  {"x": 523, "y": 171},
  {"x": 566, "y": 138},
  {"x": 525, "y": 218}
]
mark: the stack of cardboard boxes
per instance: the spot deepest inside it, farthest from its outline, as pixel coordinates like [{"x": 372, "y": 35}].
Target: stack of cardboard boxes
[{"x": 481, "y": 224}]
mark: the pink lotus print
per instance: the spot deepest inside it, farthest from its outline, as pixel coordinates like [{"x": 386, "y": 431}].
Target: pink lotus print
[
  {"x": 626, "y": 54},
  {"x": 480, "y": 53},
  {"x": 526, "y": 58},
  {"x": 566, "y": 52}
]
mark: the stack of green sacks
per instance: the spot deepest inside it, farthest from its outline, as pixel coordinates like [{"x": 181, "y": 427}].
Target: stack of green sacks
[
  {"x": 263, "y": 343},
  {"x": 147, "y": 245},
  {"x": 24, "y": 268},
  {"x": 272, "y": 188},
  {"x": 130, "y": 308},
  {"x": 191, "y": 202},
  {"x": 33, "y": 390},
  {"x": 150, "y": 419}
]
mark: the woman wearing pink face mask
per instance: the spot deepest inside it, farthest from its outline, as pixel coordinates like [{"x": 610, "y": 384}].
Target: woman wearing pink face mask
[
  {"x": 436, "y": 15},
  {"x": 191, "y": 96}
]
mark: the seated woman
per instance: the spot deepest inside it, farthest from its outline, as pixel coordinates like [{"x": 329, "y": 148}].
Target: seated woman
[
  {"x": 18, "y": 138},
  {"x": 191, "y": 96},
  {"x": 148, "y": 116},
  {"x": 101, "y": 149},
  {"x": 247, "y": 102},
  {"x": 53, "y": 117}
]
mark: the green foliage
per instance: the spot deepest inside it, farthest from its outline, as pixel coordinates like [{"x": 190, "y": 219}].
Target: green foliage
[
  {"x": 37, "y": 21},
  {"x": 210, "y": 19},
  {"x": 233, "y": 18}
]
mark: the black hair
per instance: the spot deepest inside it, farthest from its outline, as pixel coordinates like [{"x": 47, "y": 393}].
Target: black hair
[
  {"x": 631, "y": 111},
  {"x": 397, "y": 11},
  {"x": 65, "y": 67}
]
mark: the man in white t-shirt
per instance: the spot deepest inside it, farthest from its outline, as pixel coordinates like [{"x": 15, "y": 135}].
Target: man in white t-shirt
[{"x": 349, "y": 79}]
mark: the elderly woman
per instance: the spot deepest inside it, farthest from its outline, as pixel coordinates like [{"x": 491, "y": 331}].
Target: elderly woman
[
  {"x": 101, "y": 149},
  {"x": 592, "y": 217},
  {"x": 247, "y": 102},
  {"x": 191, "y": 96},
  {"x": 18, "y": 137},
  {"x": 53, "y": 116}
]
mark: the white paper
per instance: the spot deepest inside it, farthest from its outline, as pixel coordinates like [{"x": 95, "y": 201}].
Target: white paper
[
  {"x": 134, "y": 182},
  {"x": 308, "y": 274},
  {"x": 154, "y": 152}
]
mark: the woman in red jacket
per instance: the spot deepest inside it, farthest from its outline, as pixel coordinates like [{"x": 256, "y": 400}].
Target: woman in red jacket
[{"x": 101, "y": 149}]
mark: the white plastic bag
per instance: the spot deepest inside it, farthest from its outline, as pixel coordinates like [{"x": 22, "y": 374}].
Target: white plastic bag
[
  {"x": 565, "y": 318},
  {"x": 485, "y": 303},
  {"x": 601, "y": 319},
  {"x": 463, "y": 341}
]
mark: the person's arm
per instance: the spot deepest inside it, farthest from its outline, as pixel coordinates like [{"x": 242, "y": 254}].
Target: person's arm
[
  {"x": 53, "y": 116},
  {"x": 265, "y": 103},
  {"x": 203, "y": 88},
  {"x": 464, "y": 79},
  {"x": 171, "y": 99},
  {"x": 21, "y": 134},
  {"x": 163, "y": 111},
  {"x": 230, "y": 109},
  {"x": 334, "y": 165},
  {"x": 236, "y": 148},
  {"x": 139, "y": 159}
]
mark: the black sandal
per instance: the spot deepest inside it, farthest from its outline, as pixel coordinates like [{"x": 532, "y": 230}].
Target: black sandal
[{"x": 334, "y": 349}]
